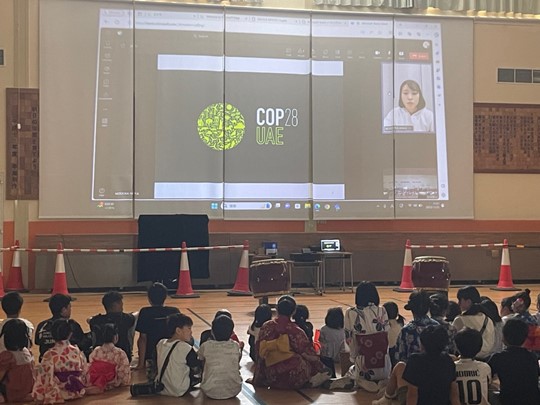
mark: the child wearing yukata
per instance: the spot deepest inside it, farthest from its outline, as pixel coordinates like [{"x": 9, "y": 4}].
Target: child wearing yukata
[
  {"x": 16, "y": 363},
  {"x": 109, "y": 365},
  {"x": 61, "y": 375}
]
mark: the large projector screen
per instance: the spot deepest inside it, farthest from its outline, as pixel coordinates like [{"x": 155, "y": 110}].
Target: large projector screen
[{"x": 252, "y": 114}]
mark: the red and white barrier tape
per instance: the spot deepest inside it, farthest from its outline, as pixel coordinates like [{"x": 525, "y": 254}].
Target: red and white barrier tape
[
  {"x": 480, "y": 245},
  {"x": 134, "y": 250}
]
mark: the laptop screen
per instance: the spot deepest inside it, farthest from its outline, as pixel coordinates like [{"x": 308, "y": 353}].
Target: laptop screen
[{"x": 330, "y": 245}]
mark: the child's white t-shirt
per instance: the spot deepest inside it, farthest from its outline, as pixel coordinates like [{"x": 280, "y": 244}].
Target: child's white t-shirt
[
  {"x": 221, "y": 373},
  {"x": 473, "y": 378},
  {"x": 176, "y": 376}
]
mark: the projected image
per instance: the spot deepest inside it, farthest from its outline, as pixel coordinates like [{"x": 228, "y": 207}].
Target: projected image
[
  {"x": 112, "y": 173},
  {"x": 351, "y": 155},
  {"x": 412, "y": 114},
  {"x": 417, "y": 116},
  {"x": 242, "y": 113},
  {"x": 221, "y": 127},
  {"x": 267, "y": 77},
  {"x": 243, "y": 152},
  {"x": 407, "y": 86},
  {"x": 374, "y": 88},
  {"x": 403, "y": 185}
]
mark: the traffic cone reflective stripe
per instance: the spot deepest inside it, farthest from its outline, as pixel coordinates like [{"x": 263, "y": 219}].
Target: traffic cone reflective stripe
[
  {"x": 241, "y": 286},
  {"x": 505, "y": 275},
  {"x": 15, "y": 281},
  {"x": 184, "y": 289},
  {"x": 406, "y": 276}
]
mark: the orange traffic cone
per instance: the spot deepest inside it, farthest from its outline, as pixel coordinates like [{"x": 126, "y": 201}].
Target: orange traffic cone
[
  {"x": 505, "y": 275},
  {"x": 184, "y": 289},
  {"x": 2, "y": 293},
  {"x": 241, "y": 286},
  {"x": 15, "y": 281},
  {"x": 406, "y": 277},
  {"x": 60, "y": 280}
]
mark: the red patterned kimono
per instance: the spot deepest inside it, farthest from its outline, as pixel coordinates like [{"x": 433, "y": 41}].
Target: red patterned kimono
[
  {"x": 61, "y": 374},
  {"x": 109, "y": 367},
  {"x": 293, "y": 371}
]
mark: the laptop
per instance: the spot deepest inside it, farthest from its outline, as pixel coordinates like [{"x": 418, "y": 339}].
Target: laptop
[{"x": 330, "y": 245}]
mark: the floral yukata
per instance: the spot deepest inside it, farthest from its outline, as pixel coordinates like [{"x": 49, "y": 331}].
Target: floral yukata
[
  {"x": 366, "y": 331},
  {"x": 280, "y": 346},
  {"x": 61, "y": 375},
  {"x": 109, "y": 367}
]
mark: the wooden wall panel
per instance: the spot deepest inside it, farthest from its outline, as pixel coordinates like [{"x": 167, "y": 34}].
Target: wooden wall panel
[
  {"x": 506, "y": 138},
  {"x": 22, "y": 144}
]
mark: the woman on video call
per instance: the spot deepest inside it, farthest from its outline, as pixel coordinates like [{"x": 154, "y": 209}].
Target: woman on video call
[{"x": 412, "y": 114}]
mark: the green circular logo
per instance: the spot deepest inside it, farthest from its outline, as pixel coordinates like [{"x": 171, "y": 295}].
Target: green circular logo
[{"x": 220, "y": 129}]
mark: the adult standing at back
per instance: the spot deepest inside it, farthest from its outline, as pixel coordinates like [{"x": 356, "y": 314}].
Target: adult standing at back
[
  {"x": 473, "y": 316},
  {"x": 366, "y": 333}
]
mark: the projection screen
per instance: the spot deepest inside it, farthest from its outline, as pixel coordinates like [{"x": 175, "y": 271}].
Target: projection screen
[{"x": 244, "y": 113}]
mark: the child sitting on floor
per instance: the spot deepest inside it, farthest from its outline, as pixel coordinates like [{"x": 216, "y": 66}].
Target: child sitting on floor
[
  {"x": 152, "y": 327},
  {"x": 301, "y": 316},
  {"x": 114, "y": 314},
  {"x": 332, "y": 339},
  {"x": 221, "y": 356},
  {"x": 428, "y": 378},
  {"x": 109, "y": 365},
  {"x": 396, "y": 322},
  {"x": 516, "y": 367},
  {"x": 263, "y": 313},
  {"x": 180, "y": 375},
  {"x": 207, "y": 334},
  {"x": 472, "y": 376},
  {"x": 62, "y": 373},
  {"x": 12, "y": 304},
  {"x": 16, "y": 363}
]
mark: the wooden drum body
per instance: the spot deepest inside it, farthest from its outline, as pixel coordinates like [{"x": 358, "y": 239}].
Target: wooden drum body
[
  {"x": 269, "y": 278},
  {"x": 431, "y": 273}
]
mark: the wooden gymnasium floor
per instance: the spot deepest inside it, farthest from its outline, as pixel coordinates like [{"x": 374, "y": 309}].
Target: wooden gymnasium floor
[{"x": 202, "y": 310}]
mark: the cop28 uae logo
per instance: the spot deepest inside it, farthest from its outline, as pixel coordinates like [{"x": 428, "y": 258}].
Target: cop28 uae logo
[{"x": 221, "y": 126}]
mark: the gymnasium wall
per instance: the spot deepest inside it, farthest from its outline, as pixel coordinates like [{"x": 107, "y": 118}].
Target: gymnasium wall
[{"x": 505, "y": 204}]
